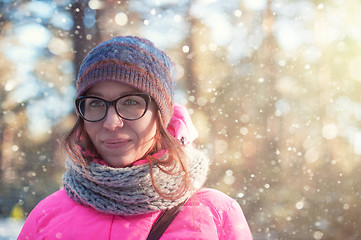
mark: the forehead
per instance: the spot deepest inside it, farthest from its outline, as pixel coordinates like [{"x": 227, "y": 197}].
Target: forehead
[{"x": 106, "y": 88}]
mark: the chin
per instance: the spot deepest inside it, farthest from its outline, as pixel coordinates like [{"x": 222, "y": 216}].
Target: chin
[{"x": 119, "y": 163}]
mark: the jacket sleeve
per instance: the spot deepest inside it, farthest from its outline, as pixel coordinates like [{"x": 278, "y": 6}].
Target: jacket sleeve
[{"x": 235, "y": 226}]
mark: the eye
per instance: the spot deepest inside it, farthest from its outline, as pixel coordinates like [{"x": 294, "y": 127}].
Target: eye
[
  {"x": 130, "y": 101},
  {"x": 95, "y": 103}
]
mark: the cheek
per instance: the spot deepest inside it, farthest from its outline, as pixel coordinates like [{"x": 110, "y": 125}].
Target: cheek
[
  {"x": 147, "y": 129},
  {"x": 154, "y": 128},
  {"x": 90, "y": 129},
  {"x": 148, "y": 126}
]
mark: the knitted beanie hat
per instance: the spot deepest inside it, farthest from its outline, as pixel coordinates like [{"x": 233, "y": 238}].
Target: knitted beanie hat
[{"x": 134, "y": 61}]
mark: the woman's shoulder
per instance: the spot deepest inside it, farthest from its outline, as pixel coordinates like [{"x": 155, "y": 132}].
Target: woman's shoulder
[
  {"x": 214, "y": 197},
  {"x": 210, "y": 192},
  {"x": 53, "y": 204},
  {"x": 43, "y": 212},
  {"x": 57, "y": 198},
  {"x": 217, "y": 213},
  {"x": 217, "y": 203},
  {"x": 228, "y": 212}
]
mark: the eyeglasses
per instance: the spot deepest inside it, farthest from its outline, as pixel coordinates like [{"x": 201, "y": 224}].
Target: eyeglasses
[{"x": 129, "y": 107}]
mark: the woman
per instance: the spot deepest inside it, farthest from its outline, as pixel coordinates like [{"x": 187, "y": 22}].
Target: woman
[{"x": 130, "y": 158}]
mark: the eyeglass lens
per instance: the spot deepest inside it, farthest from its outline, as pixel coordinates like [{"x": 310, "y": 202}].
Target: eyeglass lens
[{"x": 129, "y": 107}]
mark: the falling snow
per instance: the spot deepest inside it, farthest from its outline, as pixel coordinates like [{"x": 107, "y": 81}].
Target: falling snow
[{"x": 272, "y": 86}]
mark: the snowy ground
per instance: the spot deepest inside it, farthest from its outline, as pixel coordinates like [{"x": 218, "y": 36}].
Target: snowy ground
[{"x": 10, "y": 228}]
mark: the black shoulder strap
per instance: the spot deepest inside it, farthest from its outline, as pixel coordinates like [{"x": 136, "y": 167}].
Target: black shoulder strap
[{"x": 163, "y": 221}]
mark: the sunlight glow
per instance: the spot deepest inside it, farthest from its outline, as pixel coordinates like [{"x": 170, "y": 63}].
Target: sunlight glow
[
  {"x": 33, "y": 35},
  {"x": 96, "y": 4},
  {"x": 221, "y": 28},
  {"x": 354, "y": 68},
  {"x": 255, "y": 5},
  {"x": 121, "y": 19},
  {"x": 330, "y": 131},
  {"x": 58, "y": 46},
  {"x": 357, "y": 143}
]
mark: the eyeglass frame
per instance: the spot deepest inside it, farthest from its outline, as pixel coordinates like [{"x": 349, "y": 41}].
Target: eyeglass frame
[{"x": 113, "y": 103}]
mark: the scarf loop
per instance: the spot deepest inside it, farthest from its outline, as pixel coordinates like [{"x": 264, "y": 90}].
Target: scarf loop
[{"x": 129, "y": 191}]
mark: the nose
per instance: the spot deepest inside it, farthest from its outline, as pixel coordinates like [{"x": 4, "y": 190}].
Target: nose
[{"x": 112, "y": 119}]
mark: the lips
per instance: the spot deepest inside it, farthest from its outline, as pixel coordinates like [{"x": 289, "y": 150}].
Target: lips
[{"x": 115, "y": 143}]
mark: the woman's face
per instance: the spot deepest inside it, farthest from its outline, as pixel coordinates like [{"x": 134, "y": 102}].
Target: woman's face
[{"x": 121, "y": 142}]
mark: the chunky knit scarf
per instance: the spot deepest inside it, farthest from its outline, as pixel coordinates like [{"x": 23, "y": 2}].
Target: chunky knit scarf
[{"x": 129, "y": 191}]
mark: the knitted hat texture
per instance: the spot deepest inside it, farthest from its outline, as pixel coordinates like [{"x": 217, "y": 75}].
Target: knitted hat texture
[{"x": 134, "y": 61}]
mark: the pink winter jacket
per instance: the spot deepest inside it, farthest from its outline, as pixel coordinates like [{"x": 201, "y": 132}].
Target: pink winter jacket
[{"x": 209, "y": 214}]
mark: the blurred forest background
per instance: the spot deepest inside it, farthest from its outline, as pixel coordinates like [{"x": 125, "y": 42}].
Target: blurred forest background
[{"x": 273, "y": 87}]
